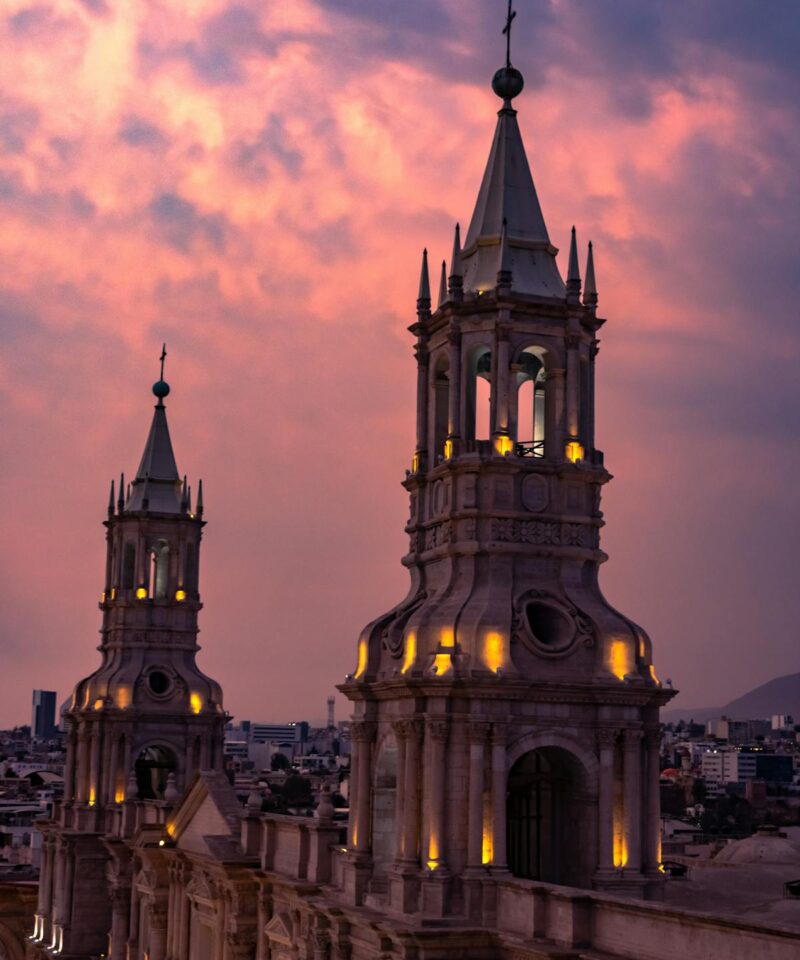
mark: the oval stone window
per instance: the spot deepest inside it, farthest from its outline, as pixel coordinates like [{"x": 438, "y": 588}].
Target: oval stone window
[
  {"x": 551, "y": 627},
  {"x": 159, "y": 682}
]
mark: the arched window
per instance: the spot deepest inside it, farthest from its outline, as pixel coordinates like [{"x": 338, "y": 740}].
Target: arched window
[
  {"x": 530, "y": 412},
  {"x": 479, "y": 396},
  {"x": 159, "y": 570},
  {"x": 128, "y": 566},
  {"x": 153, "y": 766},
  {"x": 190, "y": 570},
  {"x": 441, "y": 404}
]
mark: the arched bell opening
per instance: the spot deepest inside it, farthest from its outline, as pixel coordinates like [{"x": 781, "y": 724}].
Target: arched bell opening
[
  {"x": 528, "y": 413},
  {"x": 384, "y": 805},
  {"x": 129, "y": 566},
  {"x": 153, "y": 766},
  {"x": 550, "y": 818},
  {"x": 159, "y": 570},
  {"x": 478, "y": 412}
]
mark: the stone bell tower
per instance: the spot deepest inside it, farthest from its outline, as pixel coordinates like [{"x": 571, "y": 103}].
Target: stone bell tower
[
  {"x": 147, "y": 719},
  {"x": 506, "y": 715}
]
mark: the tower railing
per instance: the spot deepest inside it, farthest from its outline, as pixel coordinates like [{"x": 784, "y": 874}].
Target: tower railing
[{"x": 529, "y": 448}]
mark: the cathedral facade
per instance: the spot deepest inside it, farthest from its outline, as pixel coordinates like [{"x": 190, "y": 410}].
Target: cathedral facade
[{"x": 505, "y": 765}]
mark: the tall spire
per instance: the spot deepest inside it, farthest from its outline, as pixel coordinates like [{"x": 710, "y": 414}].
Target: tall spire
[
  {"x": 111, "y": 501},
  {"x": 573, "y": 271},
  {"x": 424, "y": 295},
  {"x": 456, "y": 282},
  {"x": 442, "y": 286},
  {"x": 507, "y": 193},
  {"x": 157, "y": 486},
  {"x": 504, "y": 259},
  {"x": 590, "y": 287}
]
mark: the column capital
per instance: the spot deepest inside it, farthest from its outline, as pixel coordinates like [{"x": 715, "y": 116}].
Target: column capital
[
  {"x": 632, "y": 737},
  {"x": 653, "y": 736},
  {"x": 478, "y": 731},
  {"x": 572, "y": 340},
  {"x": 437, "y": 729},
  {"x": 362, "y": 731},
  {"x": 499, "y": 734},
  {"x": 454, "y": 335},
  {"x": 555, "y": 373},
  {"x": 607, "y": 736},
  {"x": 421, "y": 352}
]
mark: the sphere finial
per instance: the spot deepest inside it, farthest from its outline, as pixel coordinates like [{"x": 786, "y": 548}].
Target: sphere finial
[
  {"x": 161, "y": 387},
  {"x": 507, "y": 83}
]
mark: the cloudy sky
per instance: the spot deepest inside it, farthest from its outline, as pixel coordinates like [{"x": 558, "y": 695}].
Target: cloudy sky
[{"x": 253, "y": 182}]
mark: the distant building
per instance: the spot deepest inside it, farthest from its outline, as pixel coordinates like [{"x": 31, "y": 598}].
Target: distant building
[{"x": 43, "y": 715}]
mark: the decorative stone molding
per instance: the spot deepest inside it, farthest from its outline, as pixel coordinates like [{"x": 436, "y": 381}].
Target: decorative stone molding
[
  {"x": 607, "y": 737},
  {"x": 437, "y": 729},
  {"x": 632, "y": 738},
  {"x": 438, "y": 535},
  {"x": 577, "y": 628},
  {"x": 499, "y": 734},
  {"x": 544, "y": 533},
  {"x": 478, "y": 731},
  {"x": 362, "y": 731},
  {"x": 653, "y": 736}
]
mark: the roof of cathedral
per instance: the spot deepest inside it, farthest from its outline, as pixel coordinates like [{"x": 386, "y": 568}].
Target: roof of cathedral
[
  {"x": 157, "y": 484},
  {"x": 507, "y": 194}
]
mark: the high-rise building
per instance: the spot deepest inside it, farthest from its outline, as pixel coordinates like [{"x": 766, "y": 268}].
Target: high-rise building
[
  {"x": 43, "y": 714},
  {"x": 145, "y": 721}
]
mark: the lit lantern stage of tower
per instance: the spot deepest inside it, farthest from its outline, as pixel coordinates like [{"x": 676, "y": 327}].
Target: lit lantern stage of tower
[
  {"x": 146, "y": 720},
  {"x": 506, "y": 716}
]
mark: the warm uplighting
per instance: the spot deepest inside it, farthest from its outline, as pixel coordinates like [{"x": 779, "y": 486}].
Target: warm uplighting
[
  {"x": 103, "y": 597},
  {"x": 447, "y": 637},
  {"x": 653, "y": 676},
  {"x": 180, "y": 595},
  {"x": 574, "y": 451},
  {"x": 487, "y": 846},
  {"x": 410, "y": 652},
  {"x": 433, "y": 852},
  {"x": 98, "y": 704},
  {"x": 171, "y": 828},
  {"x": 123, "y": 696},
  {"x": 161, "y": 843},
  {"x": 92, "y": 796},
  {"x": 415, "y": 463},
  {"x": 619, "y": 660},
  {"x": 113, "y": 593},
  {"x": 494, "y": 651},
  {"x": 119, "y": 796},
  {"x": 196, "y": 702},
  {"x": 448, "y": 449},
  {"x": 141, "y": 593},
  {"x": 503, "y": 445},
  {"x": 361, "y": 667},
  {"x": 620, "y": 847},
  {"x": 443, "y": 663}
]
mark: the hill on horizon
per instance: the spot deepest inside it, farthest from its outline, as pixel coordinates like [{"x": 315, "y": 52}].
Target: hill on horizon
[{"x": 781, "y": 695}]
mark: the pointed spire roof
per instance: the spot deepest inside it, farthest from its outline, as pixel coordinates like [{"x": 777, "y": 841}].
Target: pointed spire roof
[
  {"x": 424, "y": 295},
  {"x": 590, "y": 287},
  {"x": 157, "y": 486},
  {"x": 573, "y": 271},
  {"x": 456, "y": 281},
  {"x": 507, "y": 193},
  {"x": 442, "y": 286}
]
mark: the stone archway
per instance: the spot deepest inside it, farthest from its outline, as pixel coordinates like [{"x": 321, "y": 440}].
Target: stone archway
[{"x": 550, "y": 817}]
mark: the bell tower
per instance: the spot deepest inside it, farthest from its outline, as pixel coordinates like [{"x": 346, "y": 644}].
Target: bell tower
[
  {"x": 506, "y": 716},
  {"x": 147, "y": 719}
]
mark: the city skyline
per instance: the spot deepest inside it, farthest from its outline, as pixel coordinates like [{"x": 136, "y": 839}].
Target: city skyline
[{"x": 248, "y": 186}]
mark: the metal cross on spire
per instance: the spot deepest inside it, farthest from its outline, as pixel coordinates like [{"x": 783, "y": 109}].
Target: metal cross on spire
[
  {"x": 163, "y": 358},
  {"x": 507, "y": 32}
]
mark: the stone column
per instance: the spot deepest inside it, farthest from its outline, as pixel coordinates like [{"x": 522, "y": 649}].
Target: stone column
[
  {"x": 399, "y": 728},
  {"x": 454, "y": 397},
  {"x": 362, "y": 733},
  {"x": 652, "y": 836},
  {"x": 477, "y": 732},
  {"x": 94, "y": 766},
  {"x": 158, "y": 931},
  {"x": 69, "y": 768},
  {"x": 421, "y": 352},
  {"x": 436, "y": 738},
  {"x": 573, "y": 385},
  {"x": 633, "y": 799},
  {"x": 500, "y": 385},
  {"x": 133, "y": 923},
  {"x": 607, "y": 740},
  {"x": 554, "y": 414},
  {"x": 120, "y": 921},
  {"x": 411, "y": 780},
  {"x": 81, "y": 791},
  {"x": 113, "y": 770},
  {"x": 498, "y": 796},
  {"x": 184, "y": 913}
]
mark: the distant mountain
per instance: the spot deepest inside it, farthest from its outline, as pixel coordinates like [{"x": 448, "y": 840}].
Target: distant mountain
[{"x": 781, "y": 695}]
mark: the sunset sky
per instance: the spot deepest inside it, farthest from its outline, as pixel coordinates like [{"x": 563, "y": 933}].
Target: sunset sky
[{"x": 253, "y": 182}]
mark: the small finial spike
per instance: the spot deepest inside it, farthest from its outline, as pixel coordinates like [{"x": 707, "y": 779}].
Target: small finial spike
[
  {"x": 424, "y": 295},
  {"x": 456, "y": 280},
  {"x": 590, "y": 287},
  {"x": 161, "y": 387},
  {"x": 443, "y": 286},
  {"x": 121, "y": 501},
  {"x": 200, "y": 499},
  {"x": 111, "y": 501},
  {"x": 573, "y": 272},
  {"x": 184, "y": 504},
  {"x": 504, "y": 267}
]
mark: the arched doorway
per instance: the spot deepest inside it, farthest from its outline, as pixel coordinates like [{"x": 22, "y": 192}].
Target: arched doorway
[
  {"x": 153, "y": 766},
  {"x": 548, "y": 813}
]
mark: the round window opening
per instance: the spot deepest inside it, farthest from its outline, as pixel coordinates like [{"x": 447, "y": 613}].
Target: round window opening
[
  {"x": 159, "y": 682},
  {"x": 551, "y": 627}
]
